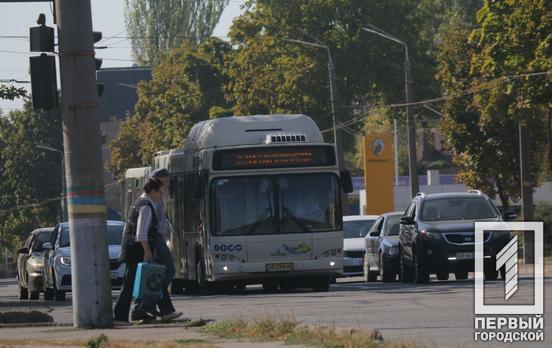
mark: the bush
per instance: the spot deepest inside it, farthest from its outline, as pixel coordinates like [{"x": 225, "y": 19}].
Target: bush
[{"x": 543, "y": 212}]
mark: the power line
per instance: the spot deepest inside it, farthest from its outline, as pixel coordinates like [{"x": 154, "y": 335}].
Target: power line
[{"x": 424, "y": 103}]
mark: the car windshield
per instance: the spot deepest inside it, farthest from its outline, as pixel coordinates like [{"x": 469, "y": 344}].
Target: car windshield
[
  {"x": 457, "y": 208},
  {"x": 256, "y": 205},
  {"x": 114, "y": 234},
  {"x": 392, "y": 225},
  {"x": 357, "y": 229},
  {"x": 43, "y": 237}
]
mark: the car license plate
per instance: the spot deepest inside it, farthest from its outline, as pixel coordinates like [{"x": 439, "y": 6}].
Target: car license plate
[
  {"x": 464, "y": 256},
  {"x": 114, "y": 275},
  {"x": 280, "y": 267}
]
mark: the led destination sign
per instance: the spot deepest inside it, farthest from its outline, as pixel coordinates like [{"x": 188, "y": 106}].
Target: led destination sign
[{"x": 274, "y": 157}]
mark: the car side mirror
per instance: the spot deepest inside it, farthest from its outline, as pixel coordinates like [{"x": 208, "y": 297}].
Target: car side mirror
[
  {"x": 375, "y": 233},
  {"x": 407, "y": 220},
  {"x": 23, "y": 250},
  {"x": 47, "y": 246},
  {"x": 509, "y": 215},
  {"x": 346, "y": 181}
]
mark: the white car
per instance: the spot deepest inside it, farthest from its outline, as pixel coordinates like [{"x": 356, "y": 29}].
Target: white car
[
  {"x": 57, "y": 260},
  {"x": 355, "y": 228}
]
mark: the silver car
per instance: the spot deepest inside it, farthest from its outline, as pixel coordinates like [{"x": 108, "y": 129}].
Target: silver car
[
  {"x": 355, "y": 228},
  {"x": 57, "y": 260}
]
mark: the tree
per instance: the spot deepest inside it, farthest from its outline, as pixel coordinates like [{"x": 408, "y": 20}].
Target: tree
[
  {"x": 482, "y": 129},
  {"x": 156, "y": 27},
  {"x": 28, "y": 175},
  {"x": 187, "y": 87},
  {"x": 11, "y": 92}
]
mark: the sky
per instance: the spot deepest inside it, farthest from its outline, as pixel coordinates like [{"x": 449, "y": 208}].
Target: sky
[{"x": 107, "y": 17}]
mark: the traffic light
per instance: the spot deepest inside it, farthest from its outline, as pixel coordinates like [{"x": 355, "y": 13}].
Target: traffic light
[
  {"x": 43, "y": 67},
  {"x": 97, "y": 36},
  {"x": 44, "y": 82}
]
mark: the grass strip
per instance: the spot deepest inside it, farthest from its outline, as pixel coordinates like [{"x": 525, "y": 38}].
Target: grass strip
[{"x": 291, "y": 332}]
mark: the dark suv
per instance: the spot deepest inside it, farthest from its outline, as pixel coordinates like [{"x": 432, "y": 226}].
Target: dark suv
[{"x": 437, "y": 236}]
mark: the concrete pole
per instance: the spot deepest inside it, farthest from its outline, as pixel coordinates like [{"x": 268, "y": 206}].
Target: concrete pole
[
  {"x": 91, "y": 283},
  {"x": 338, "y": 133},
  {"x": 412, "y": 158},
  {"x": 396, "y": 151},
  {"x": 526, "y": 192}
]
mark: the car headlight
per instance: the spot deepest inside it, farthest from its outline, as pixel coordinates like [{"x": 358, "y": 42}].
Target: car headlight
[
  {"x": 429, "y": 235},
  {"x": 65, "y": 260}
]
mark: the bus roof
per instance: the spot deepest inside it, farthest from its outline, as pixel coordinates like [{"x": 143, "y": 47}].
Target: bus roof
[
  {"x": 250, "y": 130},
  {"x": 141, "y": 172}
]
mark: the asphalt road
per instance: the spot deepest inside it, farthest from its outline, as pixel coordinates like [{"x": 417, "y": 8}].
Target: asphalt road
[{"x": 439, "y": 312}]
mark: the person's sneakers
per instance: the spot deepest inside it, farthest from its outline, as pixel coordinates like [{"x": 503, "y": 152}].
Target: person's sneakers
[
  {"x": 142, "y": 316},
  {"x": 170, "y": 316}
]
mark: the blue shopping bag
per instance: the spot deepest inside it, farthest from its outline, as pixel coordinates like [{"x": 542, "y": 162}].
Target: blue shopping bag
[{"x": 148, "y": 283}]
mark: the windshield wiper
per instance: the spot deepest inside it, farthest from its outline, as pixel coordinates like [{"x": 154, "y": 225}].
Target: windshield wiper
[
  {"x": 260, "y": 220},
  {"x": 296, "y": 220}
]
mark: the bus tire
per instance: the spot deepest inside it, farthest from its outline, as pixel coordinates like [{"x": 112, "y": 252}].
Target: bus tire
[
  {"x": 176, "y": 287},
  {"x": 270, "y": 286},
  {"x": 204, "y": 287},
  {"x": 321, "y": 285}
]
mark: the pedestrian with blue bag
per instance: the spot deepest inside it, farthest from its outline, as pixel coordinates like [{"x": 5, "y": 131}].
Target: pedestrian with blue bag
[{"x": 143, "y": 241}]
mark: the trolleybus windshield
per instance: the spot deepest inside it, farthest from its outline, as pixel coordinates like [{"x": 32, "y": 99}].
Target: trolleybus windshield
[{"x": 272, "y": 204}]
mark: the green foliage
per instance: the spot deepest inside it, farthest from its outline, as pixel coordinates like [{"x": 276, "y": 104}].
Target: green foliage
[
  {"x": 97, "y": 342},
  {"x": 28, "y": 175},
  {"x": 482, "y": 129},
  {"x": 11, "y": 92},
  {"x": 543, "y": 212},
  {"x": 159, "y": 26},
  {"x": 187, "y": 87}
]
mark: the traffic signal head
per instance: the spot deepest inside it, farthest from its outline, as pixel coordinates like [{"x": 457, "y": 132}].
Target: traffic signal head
[{"x": 43, "y": 82}]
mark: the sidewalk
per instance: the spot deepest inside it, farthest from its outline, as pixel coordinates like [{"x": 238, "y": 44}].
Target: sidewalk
[{"x": 174, "y": 334}]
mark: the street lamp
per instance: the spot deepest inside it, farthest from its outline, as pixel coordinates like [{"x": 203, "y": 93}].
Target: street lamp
[
  {"x": 411, "y": 134},
  {"x": 63, "y": 182},
  {"x": 336, "y": 119}
]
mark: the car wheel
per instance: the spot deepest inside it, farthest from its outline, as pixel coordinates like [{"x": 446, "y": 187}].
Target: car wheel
[
  {"x": 23, "y": 292},
  {"x": 59, "y": 295},
  {"x": 406, "y": 274},
  {"x": 286, "y": 284},
  {"x": 421, "y": 276},
  {"x": 369, "y": 276},
  {"x": 48, "y": 294},
  {"x": 34, "y": 295},
  {"x": 386, "y": 274},
  {"x": 442, "y": 276},
  {"x": 461, "y": 275},
  {"x": 490, "y": 274}
]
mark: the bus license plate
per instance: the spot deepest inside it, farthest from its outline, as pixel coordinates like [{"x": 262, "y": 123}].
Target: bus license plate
[
  {"x": 464, "y": 256},
  {"x": 280, "y": 267}
]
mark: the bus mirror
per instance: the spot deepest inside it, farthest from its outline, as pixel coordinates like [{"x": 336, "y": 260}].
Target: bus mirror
[{"x": 346, "y": 181}]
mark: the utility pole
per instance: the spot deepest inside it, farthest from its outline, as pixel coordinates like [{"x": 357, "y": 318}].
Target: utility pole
[
  {"x": 526, "y": 192},
  {"x": 412, "y": 156},
  {"x": 411, "y": 127},
  {"x": 336, "y": 115},
  {"x": 91, "y": 284}
]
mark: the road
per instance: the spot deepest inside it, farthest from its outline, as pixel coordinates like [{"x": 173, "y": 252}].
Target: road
[{"x": 438, "y": 312}]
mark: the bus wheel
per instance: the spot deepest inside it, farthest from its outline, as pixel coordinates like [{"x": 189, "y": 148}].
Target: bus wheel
[
  {"x": 176, "y": 287},
  {"x": 321, "y": 285},
  {"x": 286, "y": 284},
  {"x": 270, "y": 286},
  {"x": 205, "y": 288}
]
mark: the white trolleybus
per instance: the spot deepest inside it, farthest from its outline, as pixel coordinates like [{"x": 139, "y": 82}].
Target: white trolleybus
[{"x": 254, "y": 200}]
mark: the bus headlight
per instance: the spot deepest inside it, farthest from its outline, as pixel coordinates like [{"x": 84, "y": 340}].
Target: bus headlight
[
  {"x": 332, "y": 263},
  {"x": 225, "y": 268}
]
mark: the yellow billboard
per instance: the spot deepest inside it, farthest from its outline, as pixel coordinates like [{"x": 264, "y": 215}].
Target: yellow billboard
[{"x": 378, "y": 173}]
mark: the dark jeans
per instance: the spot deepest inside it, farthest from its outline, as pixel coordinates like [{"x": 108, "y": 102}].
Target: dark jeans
[{"x": 162, "y": 256}]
